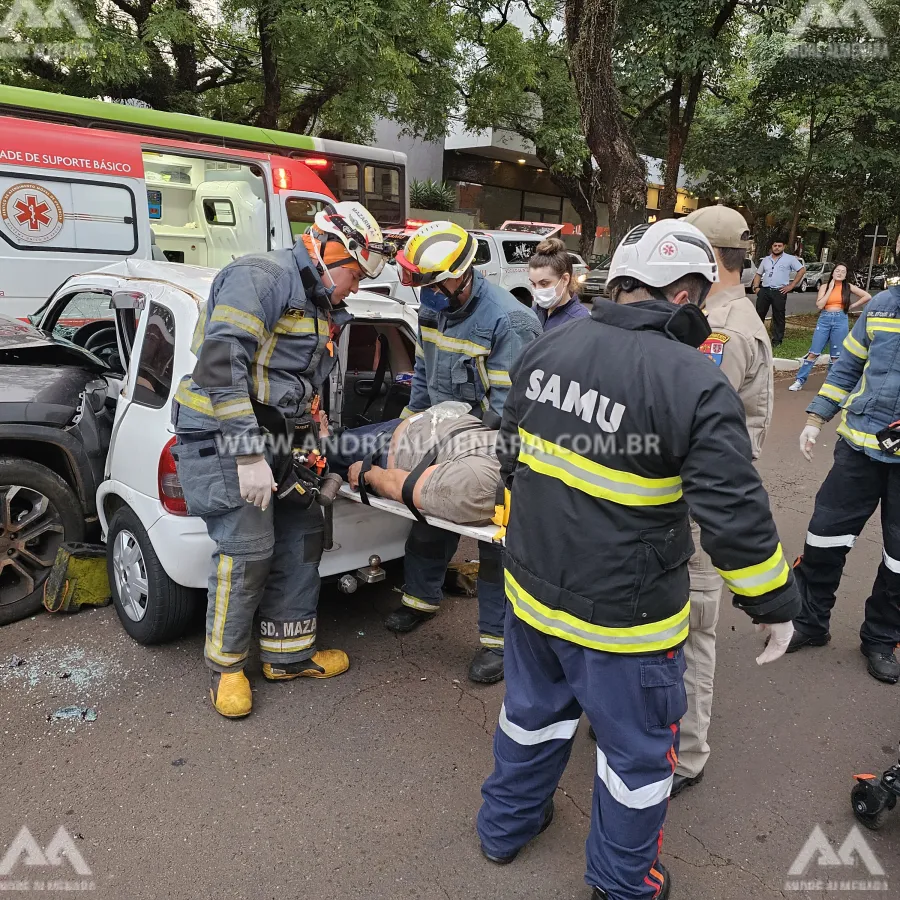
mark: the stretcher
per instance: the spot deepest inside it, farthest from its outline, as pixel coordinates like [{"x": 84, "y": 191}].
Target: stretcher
[{"x": 478, "y": 532}]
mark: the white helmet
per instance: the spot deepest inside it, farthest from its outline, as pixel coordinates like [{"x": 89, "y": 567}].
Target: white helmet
[
  {"x": 355, "y": 227},
  {"x": 657, "y": 255}
]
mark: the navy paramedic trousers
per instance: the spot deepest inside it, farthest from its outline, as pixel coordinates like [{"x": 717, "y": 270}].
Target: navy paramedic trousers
[
  {"x": 634, "y": 704},
  {"x": 847, "y": 500},
  {"x": 263, "y": 560},
  {"x": 428, "y": 553}
]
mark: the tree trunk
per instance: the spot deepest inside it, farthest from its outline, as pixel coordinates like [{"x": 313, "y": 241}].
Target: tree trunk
[
  {"x": 590, "y": 31},
  {"x": 271, "y": 105},
  {"x": 847, "y": 239},
  {"x": 668, "y": 197}
]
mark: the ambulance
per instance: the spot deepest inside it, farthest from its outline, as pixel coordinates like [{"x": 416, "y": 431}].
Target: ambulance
[{"x": 85, "y": 183}]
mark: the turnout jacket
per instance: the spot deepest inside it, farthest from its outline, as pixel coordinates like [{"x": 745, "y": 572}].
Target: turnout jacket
[
  {"x": 612, "y": 429},
  {"x": 865, "y": 382},
  {"x": 466, "y": 354},
  {"x": 264, "y": 335}
]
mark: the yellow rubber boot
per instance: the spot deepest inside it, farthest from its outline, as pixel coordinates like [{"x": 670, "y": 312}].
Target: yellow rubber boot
[
  {"x": 230, "y": 694},
  {"x": 322, "y": 664}
]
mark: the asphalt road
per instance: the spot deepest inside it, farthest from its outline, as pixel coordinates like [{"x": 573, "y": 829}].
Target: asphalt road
[{"x": 367, "y": 786}]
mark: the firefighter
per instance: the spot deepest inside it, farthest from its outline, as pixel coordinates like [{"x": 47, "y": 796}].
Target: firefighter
[
  {"x": 612, "y": 430},
  {"x": 739, "y": 346},
  {"x": 265, "y": 347},
  {"x": 865, "y": 384},
  {"x": 470, "y": 333}
]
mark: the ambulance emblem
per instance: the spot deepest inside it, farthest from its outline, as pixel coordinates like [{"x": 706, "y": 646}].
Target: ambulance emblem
[
  {"x": 31, "y": 213},
  {"x": 714, "y": 346}
]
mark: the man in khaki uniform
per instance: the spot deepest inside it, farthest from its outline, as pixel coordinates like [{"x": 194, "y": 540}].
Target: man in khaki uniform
[{"x": 739, "y": 345}]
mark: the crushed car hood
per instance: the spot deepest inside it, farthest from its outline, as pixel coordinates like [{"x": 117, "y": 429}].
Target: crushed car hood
[{"x": 21, "y": 344}]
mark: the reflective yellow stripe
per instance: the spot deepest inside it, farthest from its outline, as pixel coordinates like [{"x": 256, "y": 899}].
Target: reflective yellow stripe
[
  {"x": 662, "y": 635},
  {"x": 855, "y": 347},
  {"x": 421, "y": 605},
  {"x": 247, "y": 322},
  {"x": 490, "y": 640},
  {"x": 295, "y": 325},
  {"x": 199, "y": 334},
  {"x": 192, "y": 400},
  {"x": 232, "y": 409},
  {"x": 291, "y": 645},
  {"x": 223, "y": 595},
  {"x": 419, "y": 350},
  {"x": 859, "y": 438},
  {"x": 753, "y": 581},
  {"x": 407, "y": 412},
  {"x": 499, "y": 377},
  {"x": 584, "y": 474},
  {"x": 261, "y": 368},
  {"x": 878, "y": 323},
  {"x": 456, "y": 345},
  {"x": 832, "y": 393}
]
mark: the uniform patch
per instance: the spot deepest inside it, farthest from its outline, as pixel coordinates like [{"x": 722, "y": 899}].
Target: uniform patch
[{"x": 714, "y": 346}]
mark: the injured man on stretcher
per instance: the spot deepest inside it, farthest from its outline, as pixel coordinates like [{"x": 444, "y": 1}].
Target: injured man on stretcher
[{"x": 440, "y": 462}]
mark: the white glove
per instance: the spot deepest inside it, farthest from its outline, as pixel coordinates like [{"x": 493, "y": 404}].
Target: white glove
[
  {"x": 256, "y": 481},
  {"x": 779, "y": 636},
  {"x": 807, "y": 440}
]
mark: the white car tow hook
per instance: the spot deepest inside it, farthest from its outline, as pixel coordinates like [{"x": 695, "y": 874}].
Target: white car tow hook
[{"x": 372, "y": 573}]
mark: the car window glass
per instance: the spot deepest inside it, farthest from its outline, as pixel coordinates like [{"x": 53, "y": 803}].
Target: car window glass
[
  {"x": 517, "y": 253},
  {"x": 483, "y": 253},
  {"x": 82, "y": 309},
  {"x": 157, "y": 360},
  {"x": 301, "y": 213}
]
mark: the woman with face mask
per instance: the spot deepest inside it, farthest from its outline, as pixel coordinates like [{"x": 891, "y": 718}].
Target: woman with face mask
[
  {"x": 833, "y": 324},
  {"x": 553, "y": 285}
]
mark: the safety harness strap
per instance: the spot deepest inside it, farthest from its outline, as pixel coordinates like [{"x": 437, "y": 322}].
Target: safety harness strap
[{"x": 409, "y": 485}]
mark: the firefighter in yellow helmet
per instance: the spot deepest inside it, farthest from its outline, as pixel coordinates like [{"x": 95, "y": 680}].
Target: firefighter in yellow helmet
[{"x": 470, "y": 332}]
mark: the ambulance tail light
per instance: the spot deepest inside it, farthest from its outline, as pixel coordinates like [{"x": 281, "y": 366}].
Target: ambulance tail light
[
  {"x": 416, "y": 223},
  {"x": 315, "y": 162},
  {"x": 171, "y": 495},
  {"x": 282, "y": 179}
]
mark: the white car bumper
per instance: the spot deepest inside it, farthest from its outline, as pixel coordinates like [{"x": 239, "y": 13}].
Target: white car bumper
[{"x": 184, "y": 548}]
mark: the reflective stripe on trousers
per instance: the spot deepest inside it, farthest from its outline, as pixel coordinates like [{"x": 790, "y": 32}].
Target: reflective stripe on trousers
[{"x": 634, "y": 704}]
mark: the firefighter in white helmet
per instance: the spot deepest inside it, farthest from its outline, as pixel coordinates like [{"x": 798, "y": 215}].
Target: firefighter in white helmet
[
  {"x": 612, "y": 430},
  {"x": 265, "y": 346}
]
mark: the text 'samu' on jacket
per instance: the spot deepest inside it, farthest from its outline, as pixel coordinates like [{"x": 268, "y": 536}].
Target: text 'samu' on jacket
[
  {"x": 865, "y": 382},
  {"x": 466, "y": 355},
  {"x": 611, "y": 431},
  {"x": 264, "y": 334}
]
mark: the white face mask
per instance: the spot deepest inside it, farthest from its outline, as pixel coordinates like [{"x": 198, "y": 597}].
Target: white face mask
[{"x": 546, "y": 298}]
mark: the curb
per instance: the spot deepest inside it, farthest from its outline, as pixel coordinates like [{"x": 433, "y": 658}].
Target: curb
[{"x": 791, "y": 365}]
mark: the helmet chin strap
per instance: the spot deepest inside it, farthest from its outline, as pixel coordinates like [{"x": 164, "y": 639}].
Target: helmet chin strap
[{"x": 453, "y": 296}]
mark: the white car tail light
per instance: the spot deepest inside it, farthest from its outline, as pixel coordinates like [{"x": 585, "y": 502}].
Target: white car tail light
[{"x": 170, "y": 493}]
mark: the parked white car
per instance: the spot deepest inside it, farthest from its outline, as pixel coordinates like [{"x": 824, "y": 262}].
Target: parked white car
[
  {"x": 158, "y": 555},
  {"x": 503, "y": 257}
]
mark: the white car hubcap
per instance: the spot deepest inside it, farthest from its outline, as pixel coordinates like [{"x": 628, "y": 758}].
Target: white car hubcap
[{"x": 130, "y": 575}]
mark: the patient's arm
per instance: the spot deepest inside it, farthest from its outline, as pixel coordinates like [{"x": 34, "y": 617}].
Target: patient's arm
[{"x": 388, "y": 483}]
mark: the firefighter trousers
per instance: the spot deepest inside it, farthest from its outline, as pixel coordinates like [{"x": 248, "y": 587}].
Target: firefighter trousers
[
  {"x": 264, "y": 560},
  {"x": 634, "y": 704},
  {"x": 847, "y": 499},
  {"x": 428, "y": 553},
  {"x": 700, "y": 660}
]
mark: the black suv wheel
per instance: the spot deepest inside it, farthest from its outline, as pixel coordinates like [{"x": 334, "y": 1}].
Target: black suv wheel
[{"x": 38, "y": 511}]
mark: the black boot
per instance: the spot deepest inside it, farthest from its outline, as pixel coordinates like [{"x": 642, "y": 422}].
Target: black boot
[
  {"x": 487, "y": 666},
  {"x": 883, "y": 666},
  {"x": 800, "y": 639},
  {"x": 663, "y": 891},
  {"x": 680, "y": 782},
  {"x": 545, "y": 824},
  {"x": 406, "y": 619}
]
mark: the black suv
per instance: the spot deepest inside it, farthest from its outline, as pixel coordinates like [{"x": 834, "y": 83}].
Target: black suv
[{"x": 57, "y": 401}]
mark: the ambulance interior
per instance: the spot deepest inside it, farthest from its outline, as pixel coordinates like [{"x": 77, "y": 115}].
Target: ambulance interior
[{"x": 205, "y": 212}]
